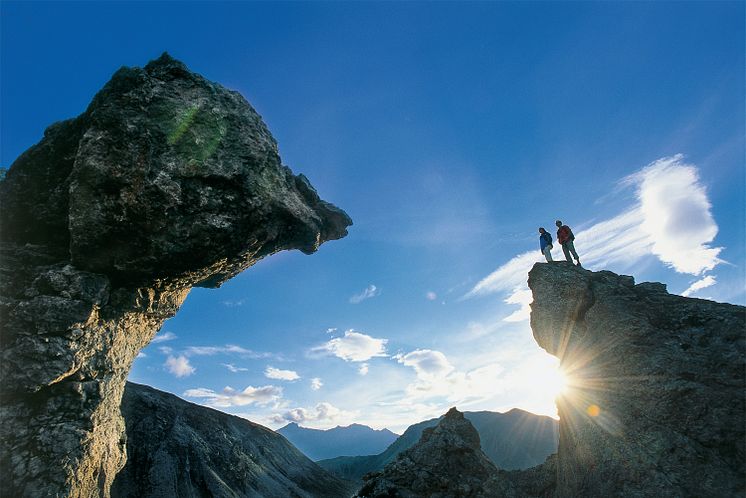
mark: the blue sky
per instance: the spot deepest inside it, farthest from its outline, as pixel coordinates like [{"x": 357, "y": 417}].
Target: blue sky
[{"x": 449, "y": 132}]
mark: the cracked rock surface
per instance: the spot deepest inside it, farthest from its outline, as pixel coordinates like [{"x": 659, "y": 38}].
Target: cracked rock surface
[{"x": 166, "y": 181}]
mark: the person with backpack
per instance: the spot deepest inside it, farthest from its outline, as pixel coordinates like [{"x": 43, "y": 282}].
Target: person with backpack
[
  {"x": 545, "y": 244},
  {"x": 566, "y": 239}
]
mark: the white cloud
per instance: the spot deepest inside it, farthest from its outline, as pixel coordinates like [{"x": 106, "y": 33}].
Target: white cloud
[
  {"x": 141, "y": 355},
  {"x": 165, "y": 349},
  {"x": 431, "y": 296},
  {"x": 671, "y": 220},
  {"x": 179, "y": 366},
  {"x": 369, "y": 292},
  {"x": 677, "y": 215},
  {"x": 438, "y": 378},
  {"x": 233, "y": 303},
  {"x": 700, "y": 284},
  {"x": 354, "y": 346},
  {"x": 331, "y": 330},
  {"x": 364, "y": 368},
  {"x": 322, "y": 414},
  {"x": 233, "y": 368},
  {"x": 163, "y": 337},
  {"x": 230, "y": 397},
  {"x": 524, "y": 298},
  {"x": 428, "y": 364},
  {"x": 316, "y": 383},
  {"x": 276, "y": 373}
]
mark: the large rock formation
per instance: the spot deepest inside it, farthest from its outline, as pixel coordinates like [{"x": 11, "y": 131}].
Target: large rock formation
[
  {"x": 512, "y": 440},
  {"x": 447, "y": 461},
  {"x": 656, "y": 405},
  {"x": 165, "y": 182},
  {"x": 179, "y": 449}
]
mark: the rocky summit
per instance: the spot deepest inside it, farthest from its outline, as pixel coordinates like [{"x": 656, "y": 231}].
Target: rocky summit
[
  {"x": 655, "y": 405},
  {"x": 166, "y": 181},
  {"x": 446, "y": 462},
  {"x": 176, "y": 448}
]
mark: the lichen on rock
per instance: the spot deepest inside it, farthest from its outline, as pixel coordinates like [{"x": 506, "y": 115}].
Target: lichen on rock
[{"x": 166, "y": 181}]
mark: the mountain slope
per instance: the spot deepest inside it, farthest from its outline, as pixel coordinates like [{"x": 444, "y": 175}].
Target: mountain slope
[
  {"x": 513, "y": 440},
  {"x": 179, "y": 449},
  {"x": 355, "y": 439}
]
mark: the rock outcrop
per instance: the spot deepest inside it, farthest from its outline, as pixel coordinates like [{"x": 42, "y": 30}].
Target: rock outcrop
[
  {"x": 176, "y": 448},
  {"x": 447, "y": 461},
  {"x": 167, "y": 181},
  {"x": 512, "y": 440},
  {"x": 656, "y": 403}
]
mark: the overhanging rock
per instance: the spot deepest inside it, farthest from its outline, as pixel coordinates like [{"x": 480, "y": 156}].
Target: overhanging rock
[{"x": 167, "y": 181}]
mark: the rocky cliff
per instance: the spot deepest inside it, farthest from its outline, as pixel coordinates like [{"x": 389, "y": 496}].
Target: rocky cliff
[
  {"x": 176, "y": 448},
  {"x": 166, "y": 181},
  {"x": 656, "y": 404}
]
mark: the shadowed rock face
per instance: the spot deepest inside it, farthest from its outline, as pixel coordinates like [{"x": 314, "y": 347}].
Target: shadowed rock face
[
  {"x": 179, "y": 449},
  {"x": 167, "y": 181},
  {"x": 656, "y": 405},
  {"x": 446, "y": 462}
]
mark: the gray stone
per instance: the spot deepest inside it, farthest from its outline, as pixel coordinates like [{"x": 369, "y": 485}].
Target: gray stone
[
  {"x": 167, "y": 181},
  {"x": 656, "y": 405}
]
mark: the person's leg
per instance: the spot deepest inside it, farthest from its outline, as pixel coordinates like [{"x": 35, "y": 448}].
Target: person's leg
[
  {"x": 571, "y": 248},
  {"x": 548, "y": 254},
  {"x": 567, "y": 252}
]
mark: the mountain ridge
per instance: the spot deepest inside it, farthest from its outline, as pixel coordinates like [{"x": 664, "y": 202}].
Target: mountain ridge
[
  {"x": 352, "y": 440},
  {"x": 178, "y": 448},
  {"x": 500, "y": 434}
]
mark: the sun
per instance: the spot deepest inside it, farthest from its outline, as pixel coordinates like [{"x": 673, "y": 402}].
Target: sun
[{"x": 541, "y": 382}]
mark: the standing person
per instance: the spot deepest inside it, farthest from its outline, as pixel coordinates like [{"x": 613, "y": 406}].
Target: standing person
[
  {"x": 545, "y": 243},
  {"x": 566, "y": 239}
]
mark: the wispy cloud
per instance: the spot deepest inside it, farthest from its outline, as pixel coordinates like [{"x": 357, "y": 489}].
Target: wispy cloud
[
  {"x": 671, "y": 220},
  {"x": 231, "y": 397},
  {"x": 227, "y": 349},
  {"x": 364, "y": 369},
  {"x": 179, "y": 366},
  {"x": 431, "y": 296},
  {"x": 276, "y": 373},
  {"x": 141, "y": 355},
  {"x": 233, "y": 303},
  {"x": 700, "y": 284},
  {"x": 233, "y": 368},
  {"x": 354, "y": 346},
  {"x": 316, "y": 383},
  {"x": 369, "y": 292},
  {"x": 322, "y": 412},
  {"x": 163, "y": 337}
]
